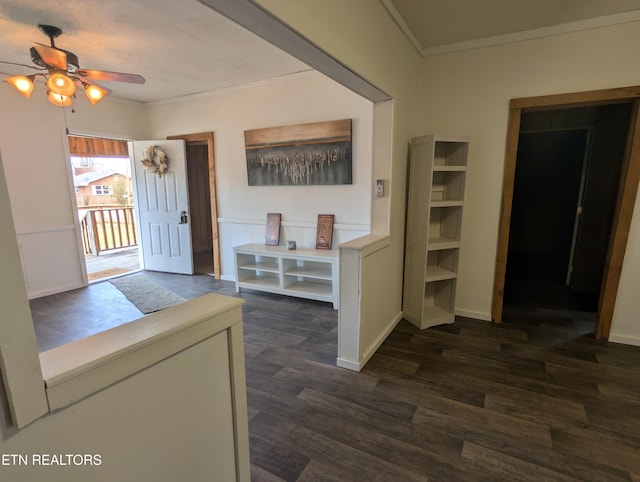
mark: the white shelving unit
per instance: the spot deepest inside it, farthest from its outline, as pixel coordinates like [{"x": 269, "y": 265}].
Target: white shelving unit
[
  {"x": 305, "y": 273},
  {"x": 434, "y": 218}
]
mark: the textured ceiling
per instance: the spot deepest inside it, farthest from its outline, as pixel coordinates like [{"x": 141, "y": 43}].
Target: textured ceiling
[
  {"x": 183, "y": 47},
  {"x": 180, "y": 47}
]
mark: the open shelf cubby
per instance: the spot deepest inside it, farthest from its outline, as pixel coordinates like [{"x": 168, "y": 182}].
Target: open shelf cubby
[
  {"x": 305, "y": 273},
  {"x": 437, "y": 173}
]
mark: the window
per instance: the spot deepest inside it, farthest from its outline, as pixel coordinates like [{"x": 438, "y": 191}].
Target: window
[{"x": 101, "y": 190}]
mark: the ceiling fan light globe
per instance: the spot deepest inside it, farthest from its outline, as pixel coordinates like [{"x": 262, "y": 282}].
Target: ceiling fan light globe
[
  {"x": 59, "y": 99},
  {"x": 60, "y": 83},
  {"x": 22, "y": 84},
  {"x": 94, "y": 93}
]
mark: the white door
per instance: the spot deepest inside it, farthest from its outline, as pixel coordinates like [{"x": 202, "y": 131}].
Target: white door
[{"x": 162, "y": 203}]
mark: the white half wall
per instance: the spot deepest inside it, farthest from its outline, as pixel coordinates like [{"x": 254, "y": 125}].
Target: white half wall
[
  {"x": 49, "y": 263},
  {"x": 468, "y": 93},
  {"x": 171, "y": 421},
  {"x": 35, "y": 155}
]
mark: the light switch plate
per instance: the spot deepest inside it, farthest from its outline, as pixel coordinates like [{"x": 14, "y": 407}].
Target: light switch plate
[{"x": 379, "y": 187}]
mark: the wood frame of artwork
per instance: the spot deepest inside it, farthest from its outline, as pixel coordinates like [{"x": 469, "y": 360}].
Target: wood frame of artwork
[
  {"x": 317, "y": 153},
  {"x": 272, "y": 235},
  {"x": 324, "y": 233}
]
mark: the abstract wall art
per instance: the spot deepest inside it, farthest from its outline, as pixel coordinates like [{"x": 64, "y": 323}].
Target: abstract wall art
[{"x": 300, "y": 155}]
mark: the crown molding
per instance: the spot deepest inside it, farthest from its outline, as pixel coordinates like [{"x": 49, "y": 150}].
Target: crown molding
[
  {"x": 406, "y": 30},
  {"x": 565, "y": 28}
]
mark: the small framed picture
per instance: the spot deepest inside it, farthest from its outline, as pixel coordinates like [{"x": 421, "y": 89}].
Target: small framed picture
[
  {"x": 272, "y": 237},
  {"x": 324, "y": 235}
]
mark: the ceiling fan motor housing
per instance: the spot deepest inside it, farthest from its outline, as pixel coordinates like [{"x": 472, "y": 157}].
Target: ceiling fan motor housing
[{"x": 72, "y": 59}]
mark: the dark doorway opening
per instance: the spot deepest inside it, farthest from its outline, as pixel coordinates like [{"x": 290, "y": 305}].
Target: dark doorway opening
[
  {"x": 200, "y": 206},
  {"x": 566, "y": 184}
]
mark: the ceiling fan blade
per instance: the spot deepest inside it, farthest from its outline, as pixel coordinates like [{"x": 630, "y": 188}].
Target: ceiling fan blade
[
  {"x": 88, "y": 81},
  {"x": 21, "y": 65},
  {"x": 52, "y": 56},
  {"x": 114, "y": 76}
]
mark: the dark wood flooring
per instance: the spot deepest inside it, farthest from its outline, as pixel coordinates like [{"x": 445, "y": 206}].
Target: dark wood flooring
[{"x": 539, "y": 400}]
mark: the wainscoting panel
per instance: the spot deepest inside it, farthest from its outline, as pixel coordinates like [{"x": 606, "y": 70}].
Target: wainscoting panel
[
  {"x": 234, "y": 232},
  {"x": 50, "y": 261}
]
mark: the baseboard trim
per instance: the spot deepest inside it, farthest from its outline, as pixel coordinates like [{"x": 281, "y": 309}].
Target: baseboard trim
[
  {"x": 358, "y": 365},
  {"x": 380, "y": 340},
  {"x": 32, "y": 295},
  {"x": 625, "y": 340},
  {"x": 348, "y": 364},
  {"x": 478, "y": 315}
]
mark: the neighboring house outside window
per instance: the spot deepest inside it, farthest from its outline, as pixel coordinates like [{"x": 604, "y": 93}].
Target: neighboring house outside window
[{"x": 101, "y": 190}]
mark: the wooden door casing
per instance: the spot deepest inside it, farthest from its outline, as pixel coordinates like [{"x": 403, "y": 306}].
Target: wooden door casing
[
  {"x": 629, "y": 179},
  {"x": 208, "y": 138}
]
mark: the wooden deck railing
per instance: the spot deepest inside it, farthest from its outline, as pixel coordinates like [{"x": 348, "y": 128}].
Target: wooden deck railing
[{"x": 107, "y": 228}]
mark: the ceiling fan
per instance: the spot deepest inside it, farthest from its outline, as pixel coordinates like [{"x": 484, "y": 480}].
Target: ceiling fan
[{"x": 61, "y": 71}]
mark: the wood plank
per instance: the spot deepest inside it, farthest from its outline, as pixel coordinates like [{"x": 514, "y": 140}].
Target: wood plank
[
  {"x": 620, "y": 229},
  {"x": 97, "y": 147},
  {"x": 312, "y": 133},
  {"x": 513, "y": 134},
  {"x": 507, "y": 467},
  {"x": 594, "y": 97}
]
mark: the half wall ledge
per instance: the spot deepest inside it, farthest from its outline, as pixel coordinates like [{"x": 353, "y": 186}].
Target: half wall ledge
[{"x": 78, "y": 369}]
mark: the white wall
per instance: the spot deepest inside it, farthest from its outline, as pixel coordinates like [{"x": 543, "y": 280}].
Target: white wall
[
  {"x": 242, "y": 209},
  {"x": 172, "y": 421},
  {"x": 35, "y": 155},
  {"x": 32, "y": 138},
  {"x": 468, "y": 93},
  {"x": 361, "y": 35},
  {"x": 626, "y": 327}
]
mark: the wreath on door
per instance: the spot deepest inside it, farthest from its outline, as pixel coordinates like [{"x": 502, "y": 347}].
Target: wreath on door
[{"x": 156, "y": 160}]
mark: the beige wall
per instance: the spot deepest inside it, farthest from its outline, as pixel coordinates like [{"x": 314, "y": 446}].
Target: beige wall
[
  {"x": 462, "y": 93},
  {"x": 170, "y": 422},
  {"x": 297, "y": 99},
  {"x": 141, "y": 428},
  {"x": 468, "y": 93},
  {"x": 32, "y": 138},
  {"x": 242, "y": 209},
  {"x": 35, "y": 156},
  {"x": 360, "y": 34}
]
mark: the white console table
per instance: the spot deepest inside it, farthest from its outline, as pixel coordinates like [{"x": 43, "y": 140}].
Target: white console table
[{"x": 305, "y": 273}]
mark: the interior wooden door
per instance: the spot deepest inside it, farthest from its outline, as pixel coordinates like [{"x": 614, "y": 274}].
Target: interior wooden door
[
  {"x": 208, "y": 138},
  {"x": 200, "y": 207}
]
